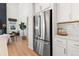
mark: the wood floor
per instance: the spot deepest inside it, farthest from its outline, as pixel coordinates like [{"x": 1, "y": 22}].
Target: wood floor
[{"x": 20, "y": 48}]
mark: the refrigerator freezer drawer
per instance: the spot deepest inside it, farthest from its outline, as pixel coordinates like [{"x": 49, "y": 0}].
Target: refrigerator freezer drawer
[
  {"x": 46, "y": 50},
  {"x": 41, "y": 47},
  {"x": 35, "y": 45}
]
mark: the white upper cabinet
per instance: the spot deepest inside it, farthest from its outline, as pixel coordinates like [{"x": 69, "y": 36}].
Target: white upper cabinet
[
  {"x": 63, "y": 12},
  {"x": 75, "y": 11}
]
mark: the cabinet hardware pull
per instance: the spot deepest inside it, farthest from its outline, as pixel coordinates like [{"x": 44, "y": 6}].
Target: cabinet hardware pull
[
  {"x": 59, "y": 41},
  {"x": 46, "y": 43},
  {"x": 64, "y": 51},
  {"x": 76, "y": 45}
]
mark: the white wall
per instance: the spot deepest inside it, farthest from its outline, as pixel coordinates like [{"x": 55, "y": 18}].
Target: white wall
[{"x": 12, "y": 12}]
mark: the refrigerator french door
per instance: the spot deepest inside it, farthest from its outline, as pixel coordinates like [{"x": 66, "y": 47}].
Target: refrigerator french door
[
  {"x": 42, "y": 33},
  {"x": 37, "y": 33},
  {"x": 48, "y": 33}
]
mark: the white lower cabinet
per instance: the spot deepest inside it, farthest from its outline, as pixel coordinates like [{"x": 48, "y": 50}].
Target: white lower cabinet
[
  {"x": 65, "y": 47},
  {"x": 73, "y": 48},
  {"x": 59, "y": 47}
]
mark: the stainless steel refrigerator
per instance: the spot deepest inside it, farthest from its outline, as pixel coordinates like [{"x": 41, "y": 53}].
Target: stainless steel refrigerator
[{"x": 42, "y": 37}]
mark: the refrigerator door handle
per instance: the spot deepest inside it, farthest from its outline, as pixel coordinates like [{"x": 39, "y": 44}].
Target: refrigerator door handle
[
  {"x": 46, "y": 43},
  {"x": 44, "y": 27}
]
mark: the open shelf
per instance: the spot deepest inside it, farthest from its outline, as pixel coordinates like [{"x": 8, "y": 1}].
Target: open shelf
[{"x": 68, "y": 22}]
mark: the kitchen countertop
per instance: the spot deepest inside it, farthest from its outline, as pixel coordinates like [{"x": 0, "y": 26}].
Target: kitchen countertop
[{"x": 75, "y": 38}]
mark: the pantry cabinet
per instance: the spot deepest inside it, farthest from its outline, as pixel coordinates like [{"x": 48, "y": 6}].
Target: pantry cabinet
[
  {"x": 59, "y": 47},
  {"x": 73, "y": 48},
  {"x": 63, "y": 12}
]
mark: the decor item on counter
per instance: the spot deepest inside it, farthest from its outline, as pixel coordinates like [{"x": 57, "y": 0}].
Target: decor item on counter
[
  {"x": 23, "y": 27},
  {"x": 62, "y": 32}
]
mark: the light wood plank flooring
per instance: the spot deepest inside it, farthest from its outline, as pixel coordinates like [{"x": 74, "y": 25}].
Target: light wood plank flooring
[{"x": 20, "y": 48}]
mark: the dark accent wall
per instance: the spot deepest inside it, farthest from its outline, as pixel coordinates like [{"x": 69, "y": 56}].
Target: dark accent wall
[{"x": 3, "y": 17}]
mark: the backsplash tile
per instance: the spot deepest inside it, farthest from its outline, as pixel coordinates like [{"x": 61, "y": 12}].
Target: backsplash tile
[{"x": 72, "y": 29}]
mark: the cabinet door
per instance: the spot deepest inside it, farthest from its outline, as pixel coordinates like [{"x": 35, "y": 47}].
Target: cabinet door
[
  {"x": 73, "y": 48},
  {"x": 63, "y": 12},
  {"x": 75, "y": 11},
  {"x": 59, "y": 47}
]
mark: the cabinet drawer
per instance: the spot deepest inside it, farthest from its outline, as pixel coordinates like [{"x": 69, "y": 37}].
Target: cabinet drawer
[
  {"x": 59, "y": 47},
  {"x": 60, "y": 41},
  {"x": 73, "y": 48},
  {"x": 74, "y": 44}
]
